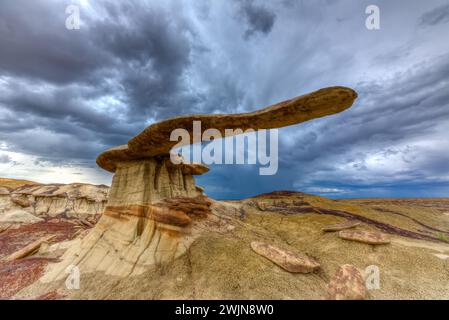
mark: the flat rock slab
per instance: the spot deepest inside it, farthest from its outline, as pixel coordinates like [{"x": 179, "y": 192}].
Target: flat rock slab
[
  {"x": 341, "y": 226},
  {"x": 155, "y": 139},
  {"x": 286, "y": 259},
  {"x": 347, "y": 284},
  {"x": 368, "y": 237}
]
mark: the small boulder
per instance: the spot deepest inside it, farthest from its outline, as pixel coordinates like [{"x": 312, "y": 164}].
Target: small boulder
[
  {"x": 288, "y": 260},
  {"x": 341, "y": 226},
  {"x": 21, "y": 201},
  {"x": 369, "y": 237},
  {"x": 347, "y": 284}
]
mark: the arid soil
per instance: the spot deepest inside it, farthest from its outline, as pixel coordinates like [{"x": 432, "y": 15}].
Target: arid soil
[{"x": 220, "y": 263}]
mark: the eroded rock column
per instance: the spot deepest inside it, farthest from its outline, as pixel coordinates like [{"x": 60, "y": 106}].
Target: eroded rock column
[{"x": 146, "y": 222}]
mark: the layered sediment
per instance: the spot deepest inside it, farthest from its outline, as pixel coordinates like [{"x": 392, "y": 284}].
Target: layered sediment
[
  {"x": 51, "y": 200},
  {"x": 147, "y": 221}
]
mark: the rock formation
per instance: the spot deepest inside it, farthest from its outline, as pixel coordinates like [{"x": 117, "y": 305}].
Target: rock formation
[
  {"x": 33, "y": 201},
  {"x": 153, "y": 202}
]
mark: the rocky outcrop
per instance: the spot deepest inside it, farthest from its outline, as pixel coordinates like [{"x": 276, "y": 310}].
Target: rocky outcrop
[
  {"x": 148, "y": 221},
  {"x": 347, "y": 284},
  {"x": 364, "y": 236},
  {"x": 20, "y": 201},
  {"x": 287, "y": 259},
  {"x": 50, "y": 200},
  {"x": 18, "y": 215}
]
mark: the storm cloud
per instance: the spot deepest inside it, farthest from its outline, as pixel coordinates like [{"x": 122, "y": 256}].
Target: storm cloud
[{"x": 66, "y": 95}]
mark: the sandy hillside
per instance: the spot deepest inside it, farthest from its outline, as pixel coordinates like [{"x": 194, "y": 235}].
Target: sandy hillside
[{"x": 14, "y": 183}]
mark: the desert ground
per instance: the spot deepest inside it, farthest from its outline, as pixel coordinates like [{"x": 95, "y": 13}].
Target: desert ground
[{"x": 221, "y": 260}]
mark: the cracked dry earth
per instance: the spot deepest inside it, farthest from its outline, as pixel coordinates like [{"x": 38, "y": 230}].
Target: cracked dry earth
[{"x": 220, "y": 264}]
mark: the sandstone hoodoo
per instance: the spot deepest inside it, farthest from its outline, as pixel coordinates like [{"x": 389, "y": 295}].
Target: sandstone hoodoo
[{"x": 154, "y": 206}]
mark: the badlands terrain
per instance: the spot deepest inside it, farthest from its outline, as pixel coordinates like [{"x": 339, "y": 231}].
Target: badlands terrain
[
  {"x": 155, "y": 234},
  {"x": 281, "y": 245}
]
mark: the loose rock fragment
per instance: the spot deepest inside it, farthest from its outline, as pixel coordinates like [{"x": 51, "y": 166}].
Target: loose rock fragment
[
  {"x": 29, "y": 249},
  {"x": 369, "y": 237},
  {"x": 288, "y": 260}
]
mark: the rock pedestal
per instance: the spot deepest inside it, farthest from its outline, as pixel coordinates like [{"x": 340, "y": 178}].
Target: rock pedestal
[{"x": 152, "y": 204}]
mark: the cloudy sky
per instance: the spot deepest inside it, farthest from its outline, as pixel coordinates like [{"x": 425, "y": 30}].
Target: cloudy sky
[{"x": 66, "y": 95}]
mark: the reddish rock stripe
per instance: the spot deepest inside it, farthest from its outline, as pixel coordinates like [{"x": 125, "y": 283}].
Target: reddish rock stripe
[
  {"x": 174, "y": 211},
  {"x": 163, "y": 215}
]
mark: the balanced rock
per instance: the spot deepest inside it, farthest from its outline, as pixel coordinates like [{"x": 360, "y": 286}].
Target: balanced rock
[
  {"x": 347, "y": 284},
  {"x": 154, "y": 208},
  {"x": 341, "y": 226},
  {"x": 369, "y": 237},
  {"x": 288, "y": 260}
]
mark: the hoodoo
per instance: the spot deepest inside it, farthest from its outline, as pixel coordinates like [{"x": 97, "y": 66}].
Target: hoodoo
[{"x": 154, "y": 209}]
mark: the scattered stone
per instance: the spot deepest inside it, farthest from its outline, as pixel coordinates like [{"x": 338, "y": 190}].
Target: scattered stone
[
  {"x": 369, "y": 237},
  {"x": 29, "y": 249},
  {"x": 86, "y": 223},
  {"x": 341, "y": 226},
  {"x": 288, "y": 260},
  {"x": 347, "y": 284}
]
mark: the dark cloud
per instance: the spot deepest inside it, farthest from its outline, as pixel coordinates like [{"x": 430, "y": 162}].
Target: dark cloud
[
  {"x": 259, "y": 19},
  {"x": 57, "y": 78},
  {"x": 36, "y": 44},
  {"x": 4, "y": 158},
  {"x": 436, "y": 16},
  {"x": 66, "y": 95}
]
